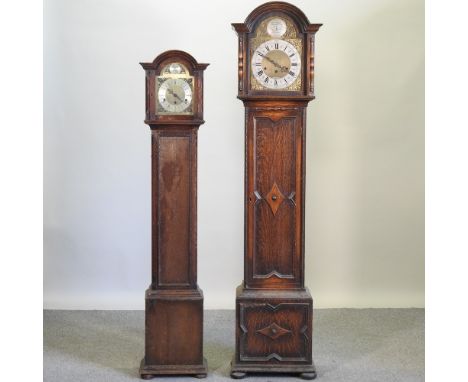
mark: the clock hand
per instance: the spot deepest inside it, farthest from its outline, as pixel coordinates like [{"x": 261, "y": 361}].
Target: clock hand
[
  {"x": 272, "y": 61},
  {"x": 282, "y": 68},
  {"x": 170, "y": 91}
]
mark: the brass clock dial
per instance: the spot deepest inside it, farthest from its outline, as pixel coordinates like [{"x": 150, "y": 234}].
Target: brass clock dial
[
  {"x": 275, "y": 83},
  {"x": 174, "y": 89},
  {"x": 276, "y": 64},
  {"x": 175, "y": 95},
  {"x": 174, "y": 301},
  {"x": 275, "y": 56}
]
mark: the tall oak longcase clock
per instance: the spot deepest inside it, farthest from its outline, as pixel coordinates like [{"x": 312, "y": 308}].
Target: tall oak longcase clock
[
  {"x": 275, "y": 83},
  {"x": 174, "y": 302}
]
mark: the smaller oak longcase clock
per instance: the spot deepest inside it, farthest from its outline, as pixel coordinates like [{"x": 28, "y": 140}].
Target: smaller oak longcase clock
[
  {"x": 174, "y": 302},
  {"x": 275, "y": 83}
]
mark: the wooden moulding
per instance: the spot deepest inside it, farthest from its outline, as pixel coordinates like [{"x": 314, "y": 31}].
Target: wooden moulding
[
  {"x": 273, "y": 308},
  {"x": 173, "y": 333},
  {"x": 174, "y": 302},
  {"x": 274, "y": 332}
]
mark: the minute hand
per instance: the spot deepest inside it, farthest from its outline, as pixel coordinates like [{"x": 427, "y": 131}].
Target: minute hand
[
  {"x": 174, "y": 94},
  {"x": 282, "y": 68}
]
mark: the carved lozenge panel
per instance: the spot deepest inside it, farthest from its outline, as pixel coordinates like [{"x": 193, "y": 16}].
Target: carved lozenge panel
[
  {"x": 272, "y": 333},
  {"x": 275, "y": 209}
]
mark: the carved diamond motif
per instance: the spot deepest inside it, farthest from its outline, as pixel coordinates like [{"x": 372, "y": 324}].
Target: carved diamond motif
[
  {"x": 274, "y": 198},
  {"x": 274, "y": 331}
]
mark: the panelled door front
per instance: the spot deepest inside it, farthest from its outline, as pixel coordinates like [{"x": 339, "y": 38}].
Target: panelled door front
[{"x": 274, "y": 193}]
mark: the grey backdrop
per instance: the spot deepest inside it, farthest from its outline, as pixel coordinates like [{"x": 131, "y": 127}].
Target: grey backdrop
[{"x": 365, "y": 147}]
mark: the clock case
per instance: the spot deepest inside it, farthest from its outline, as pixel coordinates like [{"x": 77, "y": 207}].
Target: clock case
[
  {"x": 174, "y": 302},
  {"x": 273, "y": 306},
  {"x": 153, "y": 70}
]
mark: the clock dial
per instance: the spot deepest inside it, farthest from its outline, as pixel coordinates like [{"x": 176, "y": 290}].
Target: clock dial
[
  {"x": 276, "y": 27},
  {"x": 276, "y": 64},
  {"x": 175, "y": 95}
]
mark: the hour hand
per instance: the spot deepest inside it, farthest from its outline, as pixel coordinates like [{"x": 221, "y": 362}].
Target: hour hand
[
  {"x": 272, "y": 61},
  {"x": 174, "y": 94},
  {"x": 282, "y": 68}
]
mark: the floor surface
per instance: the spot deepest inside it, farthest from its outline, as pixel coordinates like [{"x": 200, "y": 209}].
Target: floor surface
[{"x": 377, "y": 345}]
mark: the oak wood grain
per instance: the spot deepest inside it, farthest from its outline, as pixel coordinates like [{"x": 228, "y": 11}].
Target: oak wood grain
[
  {"x": 174, "y": 302},
  {"x": 273, "y": 307}
]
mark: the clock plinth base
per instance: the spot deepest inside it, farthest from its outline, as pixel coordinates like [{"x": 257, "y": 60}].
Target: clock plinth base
[
  {"x": 273, "y": 332},
  {"x": 151, "y": 371},
  {"x": 174, "y": 333},
  {"x": 240, "y": 371}
]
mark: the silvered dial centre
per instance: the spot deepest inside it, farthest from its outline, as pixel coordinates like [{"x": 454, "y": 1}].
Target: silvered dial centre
[
  {"x": 175, "y": 95},
  {"x": 276, "y": 64}
]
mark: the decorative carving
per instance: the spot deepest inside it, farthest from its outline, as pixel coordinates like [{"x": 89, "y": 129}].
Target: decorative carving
[
  {"x": 273, "y": 307},
  {"x": 311, "y": 69},
  {"x": 274, "y": 273},
  {"x": 174, "y": 302},
  {"x": 241, "y": 63},
  {"x": 293, "y": 347},
  {"x": 276, "y": 253},
  {"x": 147, "y": 92},
  {"x": 274, "y": 198},
  {"x": 274, "y": 331}
]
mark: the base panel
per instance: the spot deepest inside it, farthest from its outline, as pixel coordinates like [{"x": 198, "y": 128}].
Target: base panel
[
  {"x": 173, "y": 333},
  {"x": 273, "y": 332},
  {"x": 149, "y": 371},
  {"x": 239, "y": 371}
]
